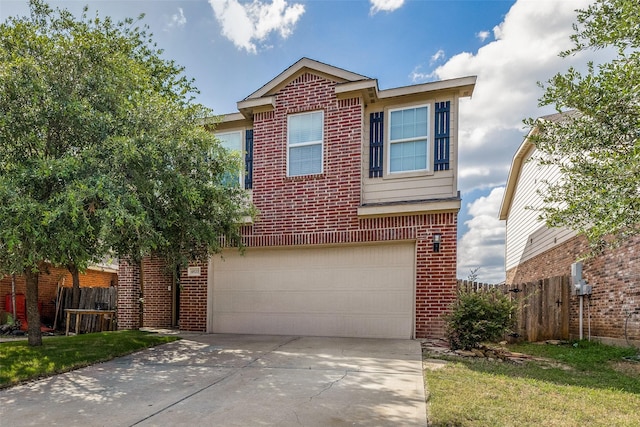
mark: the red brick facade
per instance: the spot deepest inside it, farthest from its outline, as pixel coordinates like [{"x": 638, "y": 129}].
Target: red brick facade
[
  {"x": 149, "y": 292},
  {"x": 314, "y": 210},
  {"x": 157, "y": 290},
  {"x": 193, "y": 300},
  {"x": 614, "y": 276},
  {"x": 129, "y": 294},
  {"x": 308, "y": 204}
]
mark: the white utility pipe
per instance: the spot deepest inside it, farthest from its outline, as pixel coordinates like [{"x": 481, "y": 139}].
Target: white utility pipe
[{"x": 581, "y": 303}]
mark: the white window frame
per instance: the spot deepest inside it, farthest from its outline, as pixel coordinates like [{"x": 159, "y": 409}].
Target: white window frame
[
  {"x": 427, "y": 137},
  {"x": 307, "y": 143},
  {"x": 242, "y": 142}
]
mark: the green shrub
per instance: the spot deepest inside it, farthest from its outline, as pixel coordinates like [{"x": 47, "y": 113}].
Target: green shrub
[{"x": 479, "y": 316}]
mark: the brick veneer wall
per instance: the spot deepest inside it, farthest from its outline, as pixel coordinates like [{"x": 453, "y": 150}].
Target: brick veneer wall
[
  {"x": 328, "y": 201},
  {"x": 48, "y": 284},
  {"x": 615, "y": 277},
  {"x": 435, "y": 274},
  {"x": 157, "y": 290},
  {"x": 193, "y": 299},
  {"x": 158, "y": 293},
  {"x": 129, "y": 294}
]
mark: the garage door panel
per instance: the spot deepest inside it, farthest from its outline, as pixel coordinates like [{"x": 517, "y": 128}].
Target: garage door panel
[
  {"x": 344, "y": 302},
  {"x": 315, "y": 325},
  {"x": 365, "y": 291},
  {"x": 373, "y": 279}
]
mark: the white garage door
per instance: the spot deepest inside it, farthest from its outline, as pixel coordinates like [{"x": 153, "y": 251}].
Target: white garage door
[{"x": 349, "y": 291}]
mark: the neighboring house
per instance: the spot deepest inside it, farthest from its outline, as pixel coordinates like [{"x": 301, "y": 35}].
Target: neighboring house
[
  {"x": 534, "y": 252},
  {"x": 357, "y": 194},
  {"x": 98, "y": 276}
]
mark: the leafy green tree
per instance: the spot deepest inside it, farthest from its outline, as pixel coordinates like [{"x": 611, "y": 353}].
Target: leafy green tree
[
  {"x": 102, "y": 151},
  {"x": 596, "y": 143}
]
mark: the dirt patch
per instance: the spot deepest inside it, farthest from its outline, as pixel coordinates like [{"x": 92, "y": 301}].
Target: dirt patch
[{"x": 628, "y": 367}]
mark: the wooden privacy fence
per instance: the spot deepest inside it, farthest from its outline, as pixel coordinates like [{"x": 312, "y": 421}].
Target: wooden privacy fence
[
  {"x": 90, "y": 298},
  {"x": 542, "y": 306}
]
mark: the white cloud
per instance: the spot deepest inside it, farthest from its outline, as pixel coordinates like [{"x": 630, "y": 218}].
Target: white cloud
[
  {"x": 483, "y": 245},
  {"x": 250, "y": 23},
  {"x": 483, "y": 35},
  {"x": 439, "y": 55},
  {"x": 524, "y": 51},
  {"x": 177, "y": 20},
  {"x": 385, "y": 5},
  {"x": 417, "y": 76}
]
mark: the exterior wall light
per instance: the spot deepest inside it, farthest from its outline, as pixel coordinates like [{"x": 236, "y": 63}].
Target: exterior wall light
[{"x": 437, "y": 239}]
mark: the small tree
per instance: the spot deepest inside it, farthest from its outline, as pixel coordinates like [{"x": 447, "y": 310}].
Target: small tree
[
  {"x": 477, "y": 317},
  {"x": 596, "y": 148},
  {"x": 102, "y": 151}
]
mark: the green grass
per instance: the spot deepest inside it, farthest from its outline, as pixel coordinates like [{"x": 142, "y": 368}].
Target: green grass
[
  {"x": 20, "y": 362},
  {"x": 589, "y": 384}
]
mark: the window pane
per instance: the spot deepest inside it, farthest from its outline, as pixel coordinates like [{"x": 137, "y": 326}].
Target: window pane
[
  {"x": 231, "y": 141},
  {"x": 305, "y": 160},
  {"x": 409, "y": 123},
  {"x": 305, "y": 128},
  {"x": 396, "y": 125},
  {"x": 408, "y": 156}
]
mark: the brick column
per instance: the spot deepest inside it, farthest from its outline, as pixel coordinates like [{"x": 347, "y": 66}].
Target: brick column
[
  {"x": 435, "y": 274},
  {"x": 128, "y": 305},
  {"x": 193, "y": 298}
]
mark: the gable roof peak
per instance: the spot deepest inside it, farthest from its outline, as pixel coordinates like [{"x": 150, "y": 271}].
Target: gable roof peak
[{"x": 340, "y": 74}]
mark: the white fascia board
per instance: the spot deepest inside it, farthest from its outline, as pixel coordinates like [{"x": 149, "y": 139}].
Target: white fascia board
[{"x": 463, "y": 85}]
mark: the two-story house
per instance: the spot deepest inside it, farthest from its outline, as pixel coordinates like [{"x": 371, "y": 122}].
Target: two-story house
[
  {"x": 356, "y": 189},
  {"x": 534, "y": 252}
]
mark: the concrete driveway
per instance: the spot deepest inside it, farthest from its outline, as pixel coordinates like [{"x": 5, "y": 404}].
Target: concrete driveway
[{"x": 234, "y": 380}]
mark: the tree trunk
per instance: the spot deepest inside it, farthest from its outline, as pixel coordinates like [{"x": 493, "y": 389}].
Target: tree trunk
[
  {"x": 33, "y": 316},
  {"x": 75, "y": 278}
]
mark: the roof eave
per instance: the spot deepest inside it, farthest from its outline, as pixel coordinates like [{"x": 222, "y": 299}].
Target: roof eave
[
  {"x": 463, "y": 86},
  {"x": 514, "y": 174}
]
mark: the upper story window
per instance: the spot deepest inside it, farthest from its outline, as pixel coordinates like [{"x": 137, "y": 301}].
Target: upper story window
[
  {"x": 409, "y": 139},
  {"x": 305, "y": 133},
  {"x": 232, "y": 141}
]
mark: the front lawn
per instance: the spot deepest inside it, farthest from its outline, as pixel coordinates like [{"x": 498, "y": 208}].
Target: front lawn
[
  {"x": 586, "y": 384},
  {"x": 19, "y": 362}
]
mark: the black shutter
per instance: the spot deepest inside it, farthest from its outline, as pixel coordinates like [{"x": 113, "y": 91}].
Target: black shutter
[
  {"x": 441, "y": 138},
  {"x": 248, "y": 159},
  {"x": 376, "y": 144}
]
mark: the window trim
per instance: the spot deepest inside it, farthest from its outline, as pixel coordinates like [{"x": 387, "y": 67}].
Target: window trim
[
  {"x": 429, "y": 138},
  {"x": 241, "y": 171},
  {"x": 306, "y": 144}
]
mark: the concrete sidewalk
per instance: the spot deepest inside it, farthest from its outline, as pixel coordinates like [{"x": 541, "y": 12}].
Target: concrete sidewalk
[{"x": 234, "y": 380}]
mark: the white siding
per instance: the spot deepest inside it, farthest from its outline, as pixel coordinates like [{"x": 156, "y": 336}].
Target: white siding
[
  {"x": 437, "y": 186},
  {"x": 527, "y": 236}
]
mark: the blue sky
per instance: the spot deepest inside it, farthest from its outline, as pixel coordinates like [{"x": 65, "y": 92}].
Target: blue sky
[{"x": 233, "y": 47}]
